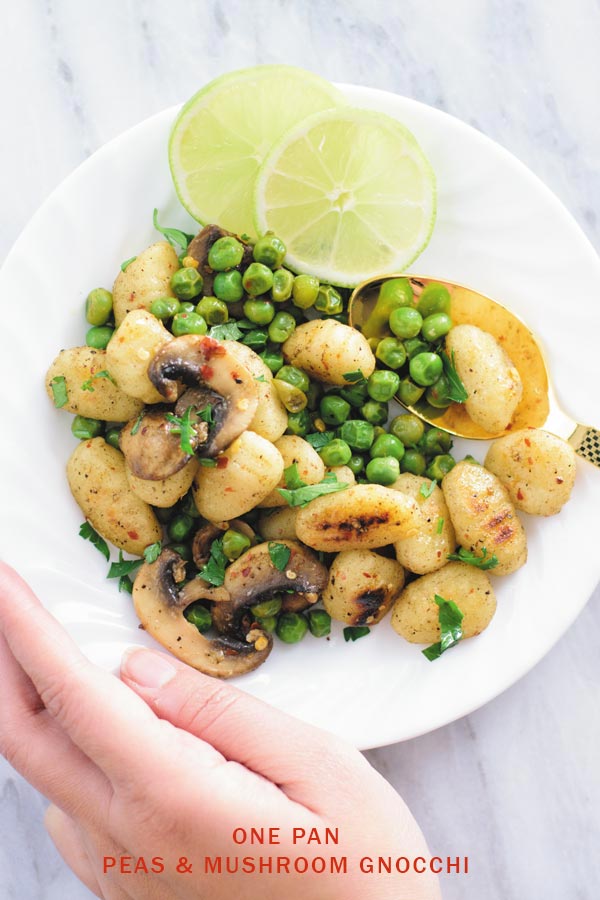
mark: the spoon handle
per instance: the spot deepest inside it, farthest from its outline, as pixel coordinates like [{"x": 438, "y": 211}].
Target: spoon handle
[{"x": 585, "y": 441}]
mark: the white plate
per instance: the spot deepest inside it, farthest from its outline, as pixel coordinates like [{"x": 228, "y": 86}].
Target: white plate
[{"x": 498, "y": 229}]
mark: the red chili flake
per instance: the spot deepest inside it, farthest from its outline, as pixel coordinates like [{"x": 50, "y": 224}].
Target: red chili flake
[
  {"x": 246, "y": 571},
  {"x": 367, "y": 575},
  {"x": 529, "y": 460},
  {"x": 519, "y": 494},
  {"x": 528, "y": 442},
  {"x": 211, "y": 347},
  {"x": 206, "y": 372},
  {"x": 133, "y": 535},
  {"x": 235, "y": 375},
  {"x": 559, "y": 480},
  {"x": 222, "y": 462}
]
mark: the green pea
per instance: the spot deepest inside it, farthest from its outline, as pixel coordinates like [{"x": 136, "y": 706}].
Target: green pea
[
  {"x": 393, "y": 293},
  {"x": 259, "y": 312},
  {"x": 356, "y": 463},
  {"x": 98, "y": 336},
  {"x": 98, "y": 306},
  {"x": 188, "y": 506},
  {"x": 299, "y": 423},
  {"x": 184, "y": 550},
  {"x": 187, "y": 283},
  {"x": 313, "y": 395},
  {"x": 282, "y": 327},
  {"x": 291, "y": 627},
  {"x": 214, "y": 311},
  {"x": 413, "y": 462},
  {"x": 257, "y": 279},
  {"x": 180, "y": 527},
  {"x": 227, "y": 286},
  {"x": 84, "y": 429},
  {"x": 165, "y": 307},
  {"x": 414, "y": 346},
  {"x": 355, "y": 394},
  {"x": 319, "y": 622},
  {"x": 383, "y": 470},
  {"x": 387, "y": 445},
  {"x": 226, "y": 253},
  {"x": 408, "y": 429},
  {"x": 391, "y": 352},
  {"x": 235, "y": 543},
  {"x": 335, "y": 453},
  {"x": 294, "y": 376},
  {"x": 437, "y": 394},
  {"x": 188, "y": 323},
  {"x": 435, "y": 298},
  {"x": 273, "y": 359},
  {"x": 375, "y": 412},
  {"x": 436, "y": 326},
  {"x": 112, "y": 436},
  {"x": 334, "y": 410},
  {"x": 382, "y": 385},
  {"x": 283, "y": 282},
  {"x": 409, "y": 392},
  {"x": 425, "y": 368},
  {"x": 291, "y": 396},
  {"x": 256, "y": 339},
  {"x": 269, "y": 250},
  {"x": 270, "y": 607},
  {"x": 406, "y": 322},
  {"x": 268, "y": 623},
  {"x": 329, "y": 301},
  {"x": 440, "y": 466},
  {"x": 305, "y": 291},
  {"x": 358, "y": 434},
  {"x": 187, "y": 306},
  {"x": 198, "y": 615},
  {"x": 435, "y": 441}
]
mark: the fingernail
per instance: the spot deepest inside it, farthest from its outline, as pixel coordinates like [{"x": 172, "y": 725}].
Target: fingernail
[{"x": 148, "y": 669}]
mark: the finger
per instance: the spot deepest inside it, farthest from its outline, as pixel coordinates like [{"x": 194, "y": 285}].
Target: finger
[
  {"x": 242, "y": 728},
  {"x": 100, "y": 715},
  {"x": 36, "y": 745},
  {"x": 67, "y": 838}
]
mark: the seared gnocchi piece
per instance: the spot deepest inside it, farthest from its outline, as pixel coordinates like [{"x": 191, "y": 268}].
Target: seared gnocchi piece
[
  {"x": 279, "y": 524},
  {"x": 427, "y": 550},
  {"x": 145, "y": 279},
  {"x": 328, "y": 350},
  {"x": 360, "y": 517},
  {"x": 342, "y": 473},
  {"x": 483, "y": 515},
  {"x": 296, "y": 451},
  {"x": 270, "y": 419},
  {"x": 536, "y": 468},
  {"x": 415, "y": 615},
  {"x": 488, "y": 374},
  {"x": 362, "y": 587},
  {"x": 167, "y": 491},
  {"x": 89, "y": 392},
  {"x": 98, "y": 481},
  {"x": 131, "y": 348}
]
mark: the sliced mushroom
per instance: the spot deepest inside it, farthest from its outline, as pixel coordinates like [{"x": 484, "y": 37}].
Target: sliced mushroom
[
  {"x": 203, "y": 363},
  {"x": 152, "y": 450},
  {"x": 254, "y": 576},
  {"x": 208, "y": 532},
  {"x": 160, "y": 607},
  {"x": 199, "y": 247}
]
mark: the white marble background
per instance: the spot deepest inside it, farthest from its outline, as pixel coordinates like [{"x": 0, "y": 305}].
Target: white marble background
[{"x": 516, "y": 785}]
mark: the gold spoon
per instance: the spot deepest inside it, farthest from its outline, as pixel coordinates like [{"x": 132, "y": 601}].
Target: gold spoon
[{"x": 538, "y": 406}]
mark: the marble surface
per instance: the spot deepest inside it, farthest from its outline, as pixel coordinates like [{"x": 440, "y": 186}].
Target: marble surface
[{"x": 516, "y": 785}]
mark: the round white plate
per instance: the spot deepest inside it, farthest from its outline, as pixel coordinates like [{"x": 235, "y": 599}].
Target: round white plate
[{"x": 498, "y": 229}]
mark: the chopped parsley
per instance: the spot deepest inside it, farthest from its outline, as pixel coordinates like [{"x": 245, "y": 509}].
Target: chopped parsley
[
  {"x": 125, "y": 584},
  {"x": 245, "y": 237},
  {"x": 214, "y": 570},
  {"x": 440, "y": 525},
  {"x": 297, "y": 493},
  {"x": 259, "y": 378},
  {"x": 123, "y": 566},
  {"x": 318, "y": 440},
  {"x": 89, "y": 534},
  {"x": 480, "y": 562},
  {"x": 450, "y": 618},
  {"x": 354, "y": 377},
  {"x": 228, "y": 331},
  {"x": 137, "y": 423},
  {"x": 173, "y": 235},
  {"x": 59, "y": 390},
  {"x": 89, "y": 384},
  {"x": 426, "y": 490},
  {"x": 354, "y": 632},
  {"x": 152, "y": 552},
  {"x": 127, "y": 262},
  {"x": 208, "y": 463},
  {"x": 280, "y": 555},
  {"x": 458, "y": 392},
  {"x": 184, "y": 427}
]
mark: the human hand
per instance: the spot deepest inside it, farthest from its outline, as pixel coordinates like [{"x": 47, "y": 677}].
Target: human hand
[{"x": 168, "y": 763}]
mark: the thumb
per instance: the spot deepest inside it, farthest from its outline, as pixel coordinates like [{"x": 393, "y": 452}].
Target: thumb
[{"x": 242, "y": 728}]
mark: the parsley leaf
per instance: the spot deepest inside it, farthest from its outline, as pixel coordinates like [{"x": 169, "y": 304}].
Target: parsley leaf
[
  {"x": 440, "y": 525},
  {"x": 229, "y": 331},
  {"x": 354, "y": 377},
  {"x": 458, "y": 392},
  {"x": 354, "y": 632},
  {"x": 125, "y": 584},
  {"x": 426, "y": 490},
  {"x": 470, "y": 557},
  {"x": 88, "y": 385},
  {"x": 152, "y": 552},
  {"x": 214, "y": 570},
  {"x": 208, "y": 463},
  {"x": 291, "y": 476},
  {"x": 318, "y": 440},
  {"x": 184, "y": 427},
  {"x": 89, "y": 534},
  {"x": 137, "y": 423},
  {"x": 245, "y": 324},
  {"x": 259, "y": 378},
  {"x": 59, "y": 390},
  {"x": 173, "y": 235},
  {"x": 280, "y": 555},
  {"x": 450, "y": 618},
  {"x": 123, "y": 567},
  {"x": 127, "y": 262},
  {"x": 245, "y": 237},
  {"x": 301, "y": 493}
]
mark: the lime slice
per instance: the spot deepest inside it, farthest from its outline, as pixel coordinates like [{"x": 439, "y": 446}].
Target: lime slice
[
  {"x": 350, "y": 193},
  {"x": 223, "y": 133}
]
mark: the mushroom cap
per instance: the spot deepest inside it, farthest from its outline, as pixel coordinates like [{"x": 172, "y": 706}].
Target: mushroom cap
[
  {"x": 160, "y": 608},
  {"x": 153, "y": 452}
]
